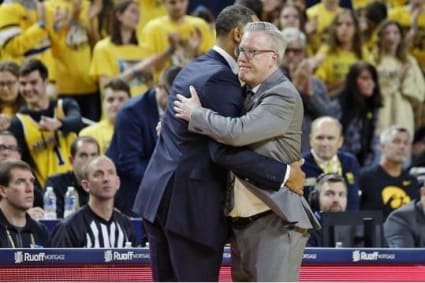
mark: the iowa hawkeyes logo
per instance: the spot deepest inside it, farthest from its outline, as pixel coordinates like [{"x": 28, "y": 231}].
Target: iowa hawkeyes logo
[{"x": 394, "y": 197}]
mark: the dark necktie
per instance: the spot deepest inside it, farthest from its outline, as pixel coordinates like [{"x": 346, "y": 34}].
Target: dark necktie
[{"x": 248, "y": 97}]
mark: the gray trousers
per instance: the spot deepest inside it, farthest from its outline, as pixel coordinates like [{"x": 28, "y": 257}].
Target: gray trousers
[{"x": 267, "y": 250}]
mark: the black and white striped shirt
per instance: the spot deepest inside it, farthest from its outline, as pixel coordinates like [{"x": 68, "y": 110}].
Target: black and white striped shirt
[{"x": 85, "y": 229}]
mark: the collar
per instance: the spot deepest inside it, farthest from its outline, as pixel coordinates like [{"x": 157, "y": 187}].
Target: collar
[
  {"x": 255, "y": 89},
  {"x": 320, "y": 160},
  {"x": 229, "y": 59}
]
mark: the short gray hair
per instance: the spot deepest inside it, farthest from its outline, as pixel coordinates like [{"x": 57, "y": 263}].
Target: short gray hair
[
  {"x": 387, "y": 134},
  {"x": 292, "y": 34},
  {"x": 277, "y": 41}
]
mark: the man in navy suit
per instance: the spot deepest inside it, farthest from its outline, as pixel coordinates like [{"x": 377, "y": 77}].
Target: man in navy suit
[
  {"x": 135, "y": 137},
  {"x": 182, "y": 196}
]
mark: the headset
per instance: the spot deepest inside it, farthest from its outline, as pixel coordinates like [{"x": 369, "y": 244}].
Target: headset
[{"x": 313, "y": 196}]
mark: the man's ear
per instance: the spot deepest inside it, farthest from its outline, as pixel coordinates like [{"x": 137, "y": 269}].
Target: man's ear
[
  {"x": 237, "y": 34},
  {"x": 85, "y": 184},
  {"x": 2, "y": 191}
]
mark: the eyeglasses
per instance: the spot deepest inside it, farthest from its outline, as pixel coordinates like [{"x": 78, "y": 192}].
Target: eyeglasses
[
  {"x": 251, "y": 53},
  {"x": 8, "y": 147},
  {"x": 296, "y": 51},
  {"x": 7, "y": 84}
]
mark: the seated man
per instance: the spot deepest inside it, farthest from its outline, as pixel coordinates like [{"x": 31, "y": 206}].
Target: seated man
[
  {"x": 404, "y": 227},
  {"x": 83, "y": 149},
  {"x": 98, "y": 224},
  {"x": 388, "y": 185},
  {"x": 329, "y": 195},
  {"x": 17, "y": 228},
  {"x": 325, "y": 157}
]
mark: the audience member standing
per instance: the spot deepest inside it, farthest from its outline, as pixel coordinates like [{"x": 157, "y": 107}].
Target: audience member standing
[
  {"x": 118, "y": 56},
  {"x": 400, "y": 78},
  {"x": 320, "y": 17},
  {"x": 135, "y": 137},
  {"x": 192, "y": 34},
  {"x": 17, "y": 228},
  {"x": 44, "y": 128},
  {"x": 325, "y": 157},
  {"x": 98, "y": 224},
  {"x": 83, "y": 149},
  {"x": 313, "y": 91},
  {"x": 72, "y": 53},
  {"x": 10, "y": 100},
  {"x": 387, "y": 185},
  {"x": 360, "y": 102},
  {"x": 116, "y": 93},
  {"x": 24, "y": 33},
  {"x": 344, "y": 47}
]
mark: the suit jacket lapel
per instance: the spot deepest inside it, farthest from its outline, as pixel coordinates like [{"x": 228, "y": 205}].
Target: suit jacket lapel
[{"x": 267, "y": 84}]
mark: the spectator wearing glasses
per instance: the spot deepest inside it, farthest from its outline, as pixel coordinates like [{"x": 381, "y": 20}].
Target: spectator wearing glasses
[
  {"x": 44, "y": 127},
  {"x": 313, "y": 91},
  {"x": 10, "y": 100},
  {"x": 280, "y": 220},
  {"x": 135, "y": 136},
  {"x": 9, "y": 150}
]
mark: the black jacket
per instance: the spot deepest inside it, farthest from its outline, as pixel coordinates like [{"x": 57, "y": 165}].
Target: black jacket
[{"x": 32, "y": 235}]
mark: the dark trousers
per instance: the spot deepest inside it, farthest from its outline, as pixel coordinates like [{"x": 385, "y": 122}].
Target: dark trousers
[{"x": 175, "y": 258}]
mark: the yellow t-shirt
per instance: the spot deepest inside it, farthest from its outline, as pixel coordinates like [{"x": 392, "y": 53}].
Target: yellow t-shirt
[
  {"x": 71, "y": 50},
  {"x": 49, "y": 150},
  {"x": 149, "y": 9},
  {"x": 324, "y": 19},
  {"x": 102, "y": 132},
  {"x": 21, "y": 37},
  {"x": 357, "y": 4},
  {"x": 403, "y": 16},
  {"x": 110, "y": 60},
  {"x": 336, "y": 65},
  {"x": 154, "y": 39}
]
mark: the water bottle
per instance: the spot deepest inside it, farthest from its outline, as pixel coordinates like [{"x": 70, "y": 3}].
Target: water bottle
[
  {"x": 49, "y": 200},
  {"x": 71, "y": 201}
]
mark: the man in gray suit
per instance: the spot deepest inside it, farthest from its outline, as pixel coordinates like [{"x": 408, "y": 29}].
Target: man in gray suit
[
  {"x": 270, "y": 228},
  {"x": 404, "y": 227}
]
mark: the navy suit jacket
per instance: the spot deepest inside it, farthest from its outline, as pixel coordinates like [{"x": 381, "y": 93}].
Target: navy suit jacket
[
  {"x": 132, "y": 145},
  {"x": 194, "y": 166}
]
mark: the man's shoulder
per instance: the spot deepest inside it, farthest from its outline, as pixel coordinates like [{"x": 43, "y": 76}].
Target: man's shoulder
[
  {"x": 405, "y": 211},
  {"x": 209, "y": 66},
  {"x": 370, "y": 172},
  {"x": 347, "y": 158}
]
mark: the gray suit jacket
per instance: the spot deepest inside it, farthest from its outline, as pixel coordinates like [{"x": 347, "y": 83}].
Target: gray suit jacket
[
  {"x": 271, "y": 127},
  {"x": 404, "y": 227}
]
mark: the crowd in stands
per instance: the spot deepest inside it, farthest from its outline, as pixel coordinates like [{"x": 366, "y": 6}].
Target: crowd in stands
[{"x": 84, "y": 83}]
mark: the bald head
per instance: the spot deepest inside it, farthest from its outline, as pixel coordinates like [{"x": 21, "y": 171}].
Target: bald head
[{"x": 326, "y": 137}]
